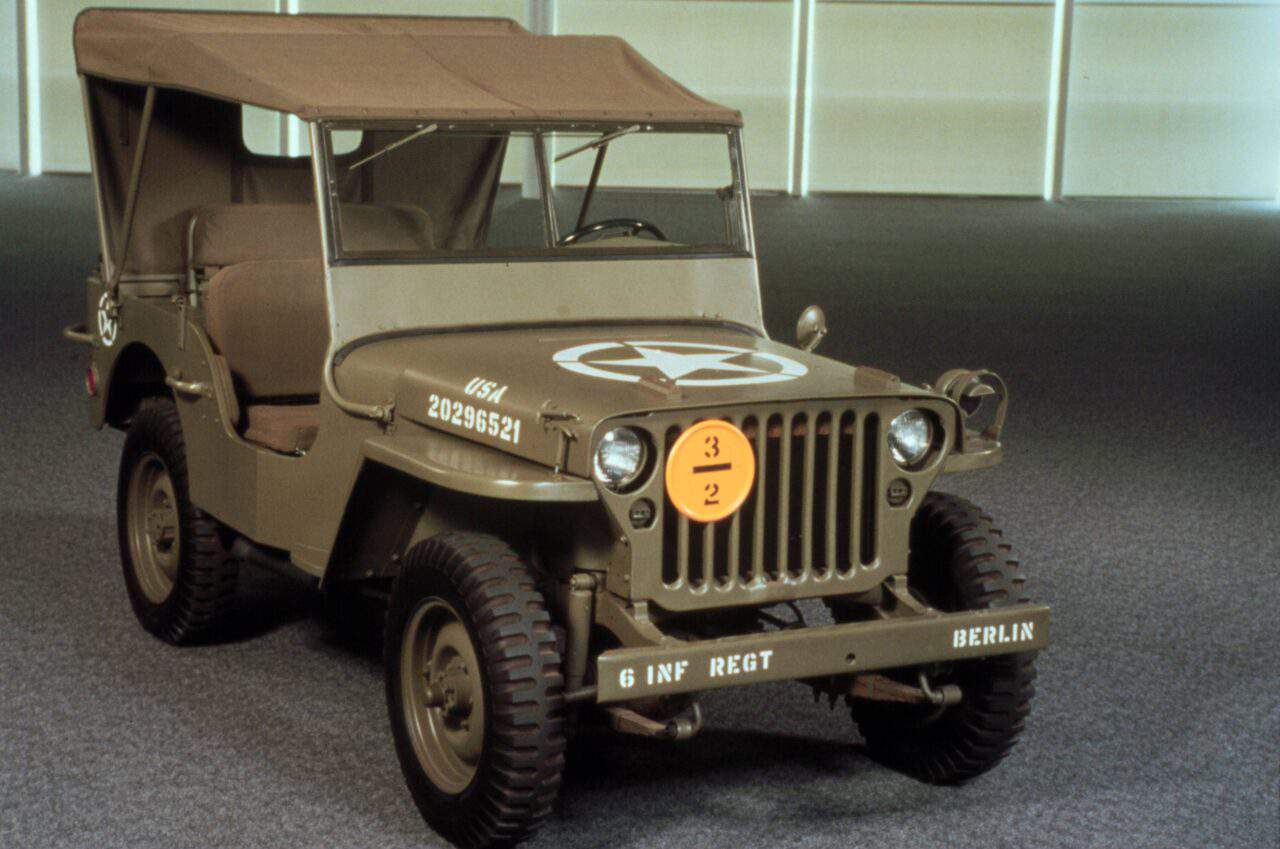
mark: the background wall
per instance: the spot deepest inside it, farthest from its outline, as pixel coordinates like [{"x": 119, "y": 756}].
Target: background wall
[
  {"x": 1174, "y": 100},
  {"x": 9, "y": 104},
  {"x": 935, "y": 98},
  {"x": 1170, "y": 98}
]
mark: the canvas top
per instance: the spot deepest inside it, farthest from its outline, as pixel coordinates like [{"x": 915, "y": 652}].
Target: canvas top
[{"x": 370, "y": 66}]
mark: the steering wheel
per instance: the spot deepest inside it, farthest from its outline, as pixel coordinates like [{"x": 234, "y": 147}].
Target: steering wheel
[{"x": 628, "y": 226}]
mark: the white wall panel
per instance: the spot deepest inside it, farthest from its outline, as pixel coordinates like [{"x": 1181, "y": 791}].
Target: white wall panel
[
  {"x": 1174, "y": 101},
  {"x": 261, "y": 130},
  {"x": 735, "y": 53},
  {"x": 514, "y": 9},
  {"x": 63, "y": 141},
  {"x": 9, "y": 143},
  {"x": 930, "y": 98}
]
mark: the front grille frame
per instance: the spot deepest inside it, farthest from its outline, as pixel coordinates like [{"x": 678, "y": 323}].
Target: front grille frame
[{"x": 833, "y": 533}]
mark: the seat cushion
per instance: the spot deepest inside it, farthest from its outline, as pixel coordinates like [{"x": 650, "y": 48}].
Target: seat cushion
[
  {"x": 268, "y": 319},
  {"x": 385, "y": 227},
  {"x": 290, "y": 428}
]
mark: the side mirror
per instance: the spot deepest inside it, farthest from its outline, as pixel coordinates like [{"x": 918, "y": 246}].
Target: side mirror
[{"x": 811, "y": 327}]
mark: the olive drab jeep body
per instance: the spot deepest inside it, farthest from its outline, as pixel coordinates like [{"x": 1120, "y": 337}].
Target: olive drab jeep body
[{"x": 545, "y": 427}]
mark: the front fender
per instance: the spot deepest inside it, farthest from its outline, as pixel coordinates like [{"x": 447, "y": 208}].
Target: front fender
[{"x": 457, "y": 464}]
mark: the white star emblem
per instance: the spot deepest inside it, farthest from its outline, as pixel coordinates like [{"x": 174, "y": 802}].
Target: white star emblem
[
  {"x": 108, "y": 325},
  {"x": 689, "y": 364},
  {"x": 676, "y": 366}
]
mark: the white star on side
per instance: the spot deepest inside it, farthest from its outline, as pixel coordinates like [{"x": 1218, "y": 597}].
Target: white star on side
[{"x": 676, "y": 366}]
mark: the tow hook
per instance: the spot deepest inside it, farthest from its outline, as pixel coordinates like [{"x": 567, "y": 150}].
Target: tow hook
[{"x": 624, "y": 720}]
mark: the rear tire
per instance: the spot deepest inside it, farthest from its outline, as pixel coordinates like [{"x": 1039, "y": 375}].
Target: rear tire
[
  {"x": 959, "y": 561},
  {"x": 177, "y": 571},
  {"x": 475, "y": 690}
]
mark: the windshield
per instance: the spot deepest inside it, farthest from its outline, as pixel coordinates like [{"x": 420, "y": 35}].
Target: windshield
[{"x": 425, "y": 190}]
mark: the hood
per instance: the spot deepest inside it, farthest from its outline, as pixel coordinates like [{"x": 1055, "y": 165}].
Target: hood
[{"x": 521, "y": 390}]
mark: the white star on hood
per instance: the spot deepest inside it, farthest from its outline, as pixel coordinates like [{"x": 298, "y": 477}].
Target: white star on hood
[{"x": 676, "y": 366}]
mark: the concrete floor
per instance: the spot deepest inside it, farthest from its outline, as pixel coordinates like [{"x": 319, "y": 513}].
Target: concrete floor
[{"x": 1141, "y": 483}]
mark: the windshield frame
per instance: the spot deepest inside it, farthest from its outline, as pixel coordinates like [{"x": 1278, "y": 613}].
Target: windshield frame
[{"x": 739, "y": 206}]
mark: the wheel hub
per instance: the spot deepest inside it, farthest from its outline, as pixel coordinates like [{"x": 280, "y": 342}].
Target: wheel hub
[
  {"x": 451, "y": 689},
  {"x": 153, "y": 527},
  {"x": 442, "y": 695}
]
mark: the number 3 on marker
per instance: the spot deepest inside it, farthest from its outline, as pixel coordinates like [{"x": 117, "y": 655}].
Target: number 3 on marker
[{"x": 713, "y": 446}]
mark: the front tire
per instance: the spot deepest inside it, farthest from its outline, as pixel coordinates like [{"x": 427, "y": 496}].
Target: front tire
[
  {"x": 178, "y": 573},
  {"x": 959, "y": 561},
  {"x": 475, "y": 690}
]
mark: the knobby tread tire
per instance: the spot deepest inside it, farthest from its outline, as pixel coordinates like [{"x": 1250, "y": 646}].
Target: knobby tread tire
[
  {"x": 959, "y": 561},
  {"x": 520, "y": 770},
  {"x": 206, "y": 581}
]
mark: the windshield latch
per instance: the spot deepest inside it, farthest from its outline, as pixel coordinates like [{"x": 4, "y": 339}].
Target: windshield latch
[{"x": 552, "y": 418}]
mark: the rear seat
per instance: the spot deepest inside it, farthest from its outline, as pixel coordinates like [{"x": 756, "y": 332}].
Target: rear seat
[{"x": 265, "y": 305}]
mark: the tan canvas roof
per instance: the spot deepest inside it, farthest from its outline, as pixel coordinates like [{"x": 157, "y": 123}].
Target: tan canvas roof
[{"x": 357, "y": 66}]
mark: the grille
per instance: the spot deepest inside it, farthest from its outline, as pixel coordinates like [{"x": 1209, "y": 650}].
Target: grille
[{"x": 811, "y": 517}]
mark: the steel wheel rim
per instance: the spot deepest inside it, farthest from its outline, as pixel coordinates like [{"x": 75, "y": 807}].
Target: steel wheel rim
[
  {"x": 442, "y": 695},
  {"x": 153, "y": 526}
]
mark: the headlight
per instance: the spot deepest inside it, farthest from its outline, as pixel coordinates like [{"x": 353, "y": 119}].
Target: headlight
[
  {"x": 910, "y": 436},
  {"x": 620, "y": 458}
]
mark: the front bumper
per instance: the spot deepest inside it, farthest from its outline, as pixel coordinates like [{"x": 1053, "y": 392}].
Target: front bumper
[{"x": 856, "y": 647}]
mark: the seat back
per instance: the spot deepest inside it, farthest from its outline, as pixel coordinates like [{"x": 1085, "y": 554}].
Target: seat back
[
  {"x": 268, "y": 319},
  {"x": 231, "y": 233}
]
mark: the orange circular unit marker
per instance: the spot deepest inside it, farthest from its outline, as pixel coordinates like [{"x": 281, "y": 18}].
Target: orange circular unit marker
[{"x": 710, "y": 471}]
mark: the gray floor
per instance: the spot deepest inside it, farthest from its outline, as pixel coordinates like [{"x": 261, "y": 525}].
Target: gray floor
[{"x": 1141, "y": 481}]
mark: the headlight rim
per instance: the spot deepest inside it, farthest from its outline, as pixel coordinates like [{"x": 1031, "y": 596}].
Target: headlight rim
[
  {"x": 632, "y": 481},
  {"x": 933, "y": 434}
]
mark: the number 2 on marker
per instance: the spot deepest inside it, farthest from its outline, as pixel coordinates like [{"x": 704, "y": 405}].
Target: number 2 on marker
[{"x": 713, "y": 491}]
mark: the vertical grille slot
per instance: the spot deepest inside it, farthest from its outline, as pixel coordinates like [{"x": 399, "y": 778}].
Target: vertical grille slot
[
  {"x": 742, "y": 524},
  {"x": 772, "y": 554},
  {"x": 799, "y": 498},
  {"x": 759, "y": 542},
  {"x": 846, "y": 519},
  {"x": 671, "y": 518},
  {"x": 694, "y": 547},
  {"x": 723, "y": 570},
  {"x": 870, "y": 472},
  {"x": 819, "y": 459}
]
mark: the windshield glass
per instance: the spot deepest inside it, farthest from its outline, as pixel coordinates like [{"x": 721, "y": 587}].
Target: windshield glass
[{"x": 425, "y": 190}]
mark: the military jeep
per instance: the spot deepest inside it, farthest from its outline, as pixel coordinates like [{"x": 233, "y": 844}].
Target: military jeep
[{"x": 458, "y": 361}]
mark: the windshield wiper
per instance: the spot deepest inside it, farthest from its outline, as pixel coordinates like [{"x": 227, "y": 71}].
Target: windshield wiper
[
  {"x": 605, "y": 139},
  {"x": 430, "y": 128}
]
